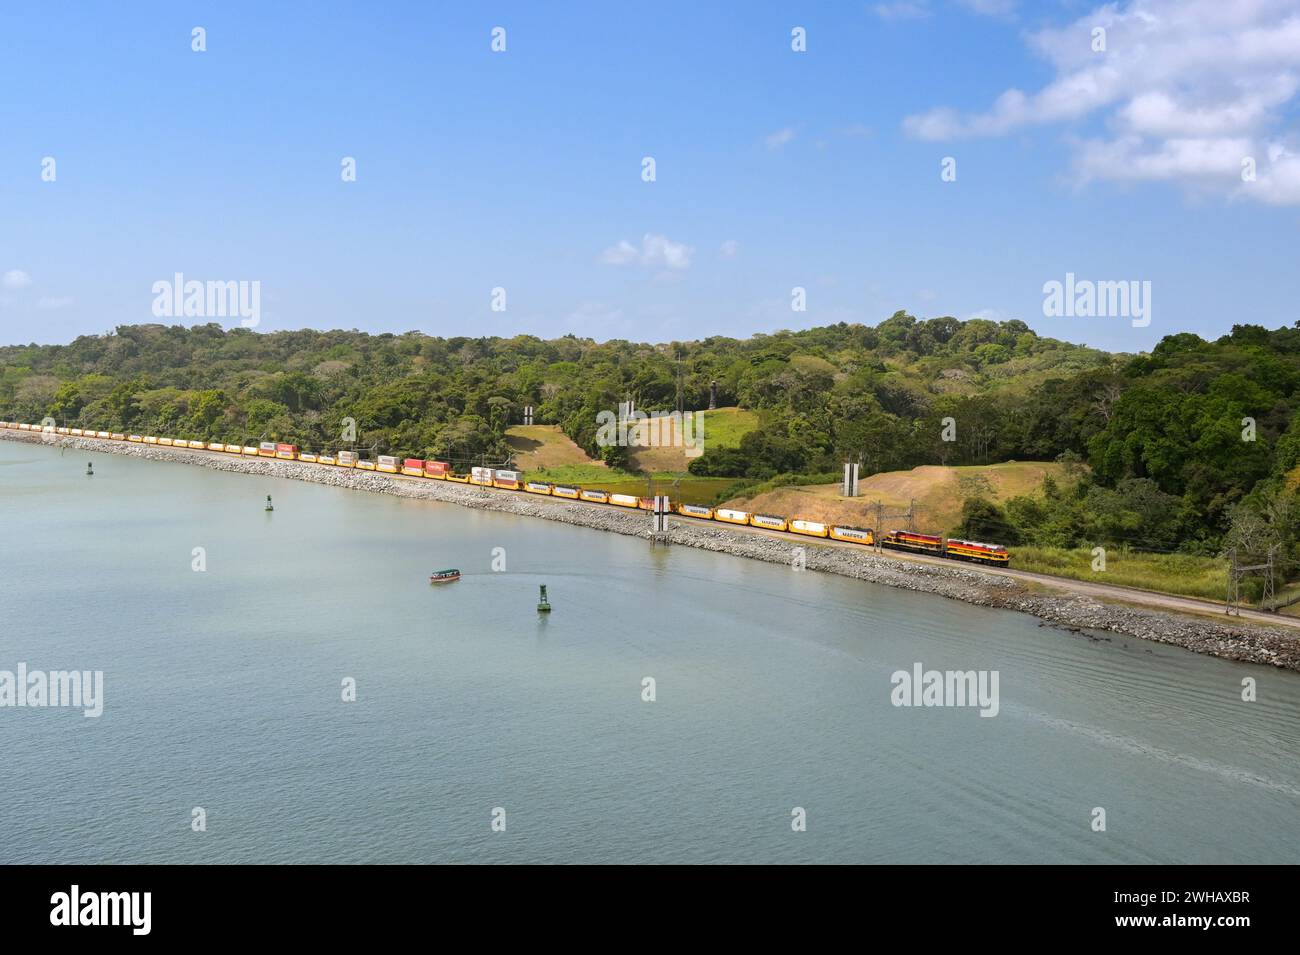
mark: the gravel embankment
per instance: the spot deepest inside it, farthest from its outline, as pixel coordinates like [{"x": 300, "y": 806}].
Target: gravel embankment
[{"x": 1248, "y": 643}]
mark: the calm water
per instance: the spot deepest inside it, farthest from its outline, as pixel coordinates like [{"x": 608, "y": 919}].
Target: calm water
[{"x": 222, "y": 690}]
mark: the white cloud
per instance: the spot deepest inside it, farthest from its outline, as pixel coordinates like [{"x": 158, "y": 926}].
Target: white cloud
[
  {"x": 656, "y": 252},
  {"x": 16, "y": 279},
  {"x": 779, "y": 138},
  {"x": 1185, "y": 90},
  {"x": 49, "y": 302},
  {"x": 729, "y": 249}
]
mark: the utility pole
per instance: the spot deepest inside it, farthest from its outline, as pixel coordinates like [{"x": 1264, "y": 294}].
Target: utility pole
[{"x": 1237, "y": 570}]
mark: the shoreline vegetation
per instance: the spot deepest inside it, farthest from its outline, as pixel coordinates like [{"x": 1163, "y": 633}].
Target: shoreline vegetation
[{"x": 1078, "y": 613}]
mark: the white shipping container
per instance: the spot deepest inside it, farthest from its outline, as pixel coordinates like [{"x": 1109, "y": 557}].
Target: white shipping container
[
  {"x": 508, "y": 475},
  {"x": 481, "y": 475}
]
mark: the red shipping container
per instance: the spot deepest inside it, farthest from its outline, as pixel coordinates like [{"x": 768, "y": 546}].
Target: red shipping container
[
  {"x": 416, "y": 463},
  {"x": 436, "y": 467}
]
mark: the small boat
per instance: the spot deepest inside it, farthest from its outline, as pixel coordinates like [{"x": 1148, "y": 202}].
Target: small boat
[{"x": 444, "y": 576}]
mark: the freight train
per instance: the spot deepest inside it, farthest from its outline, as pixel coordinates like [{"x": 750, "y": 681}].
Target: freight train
[{"x": 952, "y": 548}]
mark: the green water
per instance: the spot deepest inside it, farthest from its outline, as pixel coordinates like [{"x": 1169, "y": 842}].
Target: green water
[{"x": 222, "y": 690}]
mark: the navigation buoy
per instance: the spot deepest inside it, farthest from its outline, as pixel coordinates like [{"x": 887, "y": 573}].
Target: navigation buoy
[
  {"x": 90, "y": 468},
  {"x": 269, "y": 505},
  {"x": 543, "y": 605}
]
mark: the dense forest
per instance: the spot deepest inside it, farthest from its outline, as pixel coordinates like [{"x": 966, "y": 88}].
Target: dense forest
[{"x": 1192, "y": 447}]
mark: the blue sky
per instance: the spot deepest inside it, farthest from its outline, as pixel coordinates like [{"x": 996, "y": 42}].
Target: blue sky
[{"x": 775, "y": 168}]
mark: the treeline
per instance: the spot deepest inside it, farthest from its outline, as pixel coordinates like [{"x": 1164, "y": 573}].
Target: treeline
[{"x": 1169, "y": 446}]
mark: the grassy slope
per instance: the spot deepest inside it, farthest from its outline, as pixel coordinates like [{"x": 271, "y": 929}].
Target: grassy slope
[
  {"x": 547, "y": 454},
  {"x": 1184, "y": 574},
  {"x": 723, "y": 428},
  {"x": 936, "y": 491}
]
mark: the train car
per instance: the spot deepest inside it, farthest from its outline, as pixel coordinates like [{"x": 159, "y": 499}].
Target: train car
[
  {"x": 564, "y": 490},
  {"x": 974, "y": 550},
  {"x": 326, "y": 459},
  {"x": 150, "y": 439},
  {"x": 625, "y": 500},
  {"x": 62, "y": 430},
  {"x": 458, "y": 478},
  {"x": 537, "y": 487},
  {"x": 216, "y": 446},
  {"x": 695, "y": 510},
  {"x": 728, "y": 516},
  {"x": 234, "y": 449},
  {"x": 509, "y": 480},
  {"x": 103, "y": 434},
  {"x": 769, "y": 522},
  {"x": 165, "y": 442},
  {"x": 286, "y": 452},
  {"x": 917, "y": 543},
  {"x": 117, "y": 436},
  {"x": 266, "y": 449},
  {"x": 480, "y": 476},
  {"x": 135, "y": 438},
  {"x": 810, "y": 528},
  {"x": 413, "y": 467},
  {"x": 364, "y": 465},
  {"x": 250, "y": 451},
  {"x": 437, "y": 469},
  {"x": 307, "y": 456},
  {"x": 594, "y": 496},
  {"x": 854, "y": 535},
  {"x": 347, "y": 459}
]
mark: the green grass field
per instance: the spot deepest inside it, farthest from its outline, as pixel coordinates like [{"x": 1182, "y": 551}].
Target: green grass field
[
  {"x": 593, "y": 474},
  {"x": 724, "y": 427},
  {"x": 1183, "y": 574}
]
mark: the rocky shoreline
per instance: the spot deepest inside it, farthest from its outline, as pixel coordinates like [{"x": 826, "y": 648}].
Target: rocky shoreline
[{"x": 1073, "y": 612}]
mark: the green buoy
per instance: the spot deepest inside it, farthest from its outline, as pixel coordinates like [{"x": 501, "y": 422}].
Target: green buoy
[
  {"x": 269, "y": 505},
  {"x": 543, "y": 605},
  {"x": 90, "y": 468}
]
